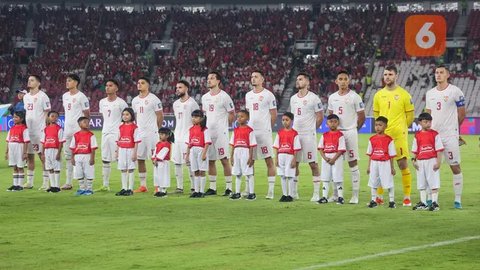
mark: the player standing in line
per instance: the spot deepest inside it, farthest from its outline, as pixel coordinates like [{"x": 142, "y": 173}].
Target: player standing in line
[
  {"x": 76, "y": 105},
  {"x": 446, "y": 104},
  {"x": 427, "y": 148},
  {"x": 16, "y": 153},
  {"x": 182, "y": 108},
  {"x": 111, "y": 109},
  {"x": 220, "y": 113},
  {"x": 52, "y": 140},
  {"x": 83, "y": 146},
  {"x": 349, "y": 107},
  {"x": 37, "y": 105},
  {"x": 331, "y": 147},
  {"x": 395, "y": 103},
  {"x": 243, "y": 144},
  {"x": 308, "y": 112},
  {"x": 381, "y": 152},
  {"x": 161, "y": 162},
  {"x": 262, "y": 106},
  {"x": 149, "y": 114}
]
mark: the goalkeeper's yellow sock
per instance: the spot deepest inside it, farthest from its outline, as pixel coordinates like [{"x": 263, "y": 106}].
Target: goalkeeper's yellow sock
[
  {"x": 380, "y": 192},
  {"x": 407, "y": 182}
]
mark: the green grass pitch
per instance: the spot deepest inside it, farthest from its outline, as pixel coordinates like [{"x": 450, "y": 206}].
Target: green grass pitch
[{"x": 39, "y": 230}]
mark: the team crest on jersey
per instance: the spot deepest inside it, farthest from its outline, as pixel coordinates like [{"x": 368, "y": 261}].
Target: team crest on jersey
[
  {"x": 74, "y": 100},
  {"x": 396, "y": 97},
  {"x": 35, "y": 100},
  {"x": 146, "y": 102},
  {"x": 260, "y": 98},
  {"x": 445, "y": 98},
  {"x": 304, "y": 102}
]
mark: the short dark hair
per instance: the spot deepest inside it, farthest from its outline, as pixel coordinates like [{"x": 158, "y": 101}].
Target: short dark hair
[
  {"x": 36, "y": 77},
  {"x": 333, "y": 116},
  {"x": 21, "y": 115},
  {"x": 184, "y": 82},
  {"x": 382, "y": 119},
  {"x": 289, "y": 115},
  {"x": 343, "y": 71},
  {"x": 168, "y": 132},
  {"x": 52, "y": 112},
  {"x": 425, "y": 116},
  {"x": 258, "y": 71},
  {"x": 442, "y": 66},
  {"x": 113, "y": 81},
  {"x": 217, "y": 75},
  {"x": 74, "y": 77},
  {"x": 81, "y": 118},
  {"x": 247, "y": 113},
  {"x": 305, "y": 74},
  {"x": 392, "y": 68},
  {"x": 145, "y": 79}
]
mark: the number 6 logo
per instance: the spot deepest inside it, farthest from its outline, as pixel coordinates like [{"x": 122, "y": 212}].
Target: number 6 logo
[{"x": 425, "y": 35}]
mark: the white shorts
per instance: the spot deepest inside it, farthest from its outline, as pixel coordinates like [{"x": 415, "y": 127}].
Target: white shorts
[
  {"x": 284, "y": 165},
  {"x": 196, "y": 162},
  {"x": 109, "y": 146},
  {"x": 35, "y": 146},
  {"x": 426, "y": 176},
  {"x": 308, "y": 153},
  {"x": 179, "y": 152},
  {"x": 380, "y": 174},
  {"x": 161, "y": 174},
  {"x": 451, "y": 151},
  {"x": 15, "y": 155},
  {"x": 66, "y": 149},
  {"x": 146, "y": 147},
  {"x": 82, "y": 168},
  {"x": 240, "y": 160},
  {"x": 219, "y": 148},
  {"x": 264, "y": 147},
  {"x": 332, "y": 172},
  {"x": 351, "y": 143},
  {"x": 125, "y": 161},
  {"x": 51, "y": 162}
]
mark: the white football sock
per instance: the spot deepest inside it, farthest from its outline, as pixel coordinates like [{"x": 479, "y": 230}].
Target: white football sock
[
  {"x": 228, "y": 181},
  {"x": 457, "y": 186},
  {"x": 213, "y": 182},
  {"x": 238, "y": 183},
  {"x": 106, "y": 170},
  {"x": 124, "y": 180},
  {"x": 30, "y": 175},
  {"x": 203, "y": 179},
  {"x": 143, "y": 178},
  {"x": 251, "y": 184},
  {"x": 131, "y": 180},
  {"x": 355, "y": 175},
  {"x": 391, "y": 194},
  {"x": 179, "y": 175},
  {"x": 69, "y": 174},
  {"x": 325, "y": 189},
  {"x": 284, "y": 183},
  {"x": 339, "y": 188}
]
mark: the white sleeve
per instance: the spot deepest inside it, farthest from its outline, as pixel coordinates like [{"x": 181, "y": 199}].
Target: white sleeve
[
  {"x": 123, "y": 105},
  {"x": 318, "y": 104},
  {"x": 414, "y": 146},
  {"x": 438, "y": 143},
  {"x": 228, "y": 103},
  {"x": 330, "y": 105},
  {"x": 206, "y": 134},
  {"x": 93, "y": 142},
  {"x": 391, "y": 149},
  {"x": 296, "y": 143},
  {"x": 359, "y": 106},
  {"x": 459, "y": 98},
  {"x": 84, "y": 103},
  {"x": 427, "y": 101},
  {"x": 253, "y": 140},
  {"x": 26, "y": 136},
  {"x": 42, "y": 137},
  {"x": 61, "y": 138},
  {"x": 232, "y": 139},
  {"x": 369, "y": 148},
  {"x": 162, "y": 153},
  {"x": 46, "y": 103},
  {"x": 276, "y": 142},
  {"x": 100, "y": 108},
  {"x": 273, "y": 102},
  {"x": 136, "y": 136},
  {"x": 321, "y": 143},
  {"x": 72, "y": 143},
  {"x": 341, "y": 144},
  {"x": 158, "y": 104}
]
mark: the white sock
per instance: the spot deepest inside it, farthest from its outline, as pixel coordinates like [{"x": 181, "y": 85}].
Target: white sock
[
  {"x": 191, "y": 177},
  {"x": 124, "y": 180},
  {"x": 131, "y": 180},
  {"x": 284, "y": 183},
  {"x": 316, "y": 185},
  {"x": 251, "y": 184},
  {"x": 89, "y": 184},
  {"x": 82, "y": 184},
  {"x": 246, "y": 186},
  {"x": 20, "y": 179},
  {"x": 429, "y": 194},
  {"x": 30, "y": 175},
  {"x": 339, "y": 188},
  {"x": 292, "y": 186},
  {"x": 238, "y": 183},
  {"x": 106, "y": 170},
  {"x": 143, "y": 178},
  {"x": 213, "y": 182},
  {"x": 325, "y": 189},
  {"x": 374, "y": 193},
  {"x": 295, "y": 185},
  {"x": 391, "y": 194},
  {"x": 435, "y": 196},
  {"x": 179, "y": 175},
  {"x": 457, "y": 186},
  {"x": 271, "y": 183},
  {"x": 335, "y": 192},
  {"x": 51, "y": 177},
  {"x": 228, "y": 181},
  {"x": 57, "y": 179},
  {"x": 423, "y": 196},
  {"x": 15, "y": 180},
  {"x": 196, "y": 183},
  {"x": 45, "y": 178},
  {"x": 203, "y": 179},
  {"x": 69, "y": 174},
  {"x": 355, "y": 175}
]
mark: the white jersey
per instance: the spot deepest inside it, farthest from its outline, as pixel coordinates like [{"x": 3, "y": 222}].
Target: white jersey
[
  {"x": 183, "y": 118},
  {"x": 304, "y": 109},
  {"x": 146, "y": 109},
  {"x": 216, "y": 108},
  {"x": 259, "y": 106},
  {"x": 346, "y": 107},
  {"x": 112, "y": 114},
  {"x": 74, "y": 105},
  {"x": 443, "y": 106},
  {"x": 36, "y": 107}
]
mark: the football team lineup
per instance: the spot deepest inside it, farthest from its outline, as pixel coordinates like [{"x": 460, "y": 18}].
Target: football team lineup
[{"x": 132, "y": 136}]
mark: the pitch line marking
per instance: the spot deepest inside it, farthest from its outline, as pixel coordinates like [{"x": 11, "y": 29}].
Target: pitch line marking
[{"x": 391, "y": 252}]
